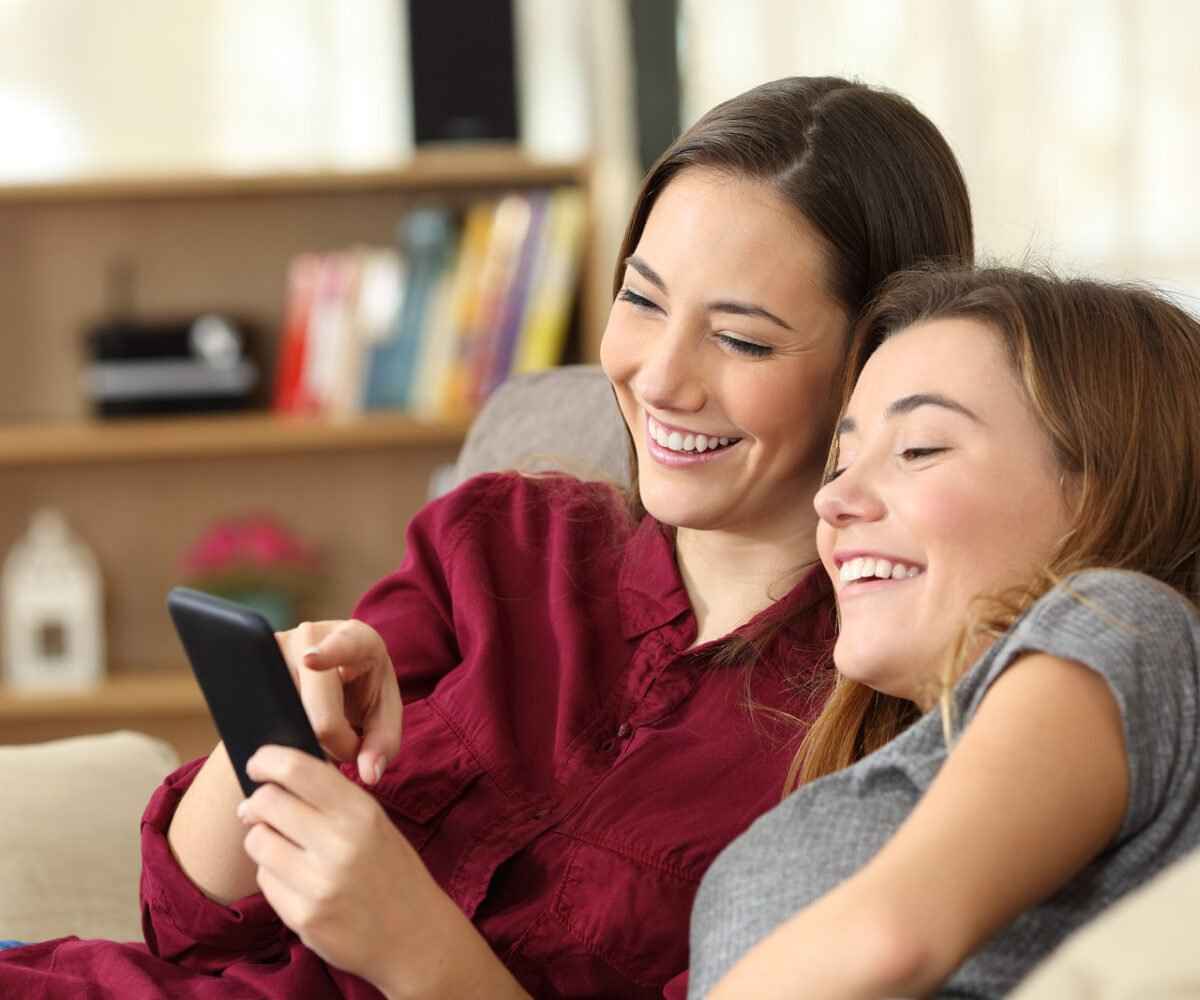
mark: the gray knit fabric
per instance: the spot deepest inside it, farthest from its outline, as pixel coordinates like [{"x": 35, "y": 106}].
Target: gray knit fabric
[{"x": 1142, "y": 637}]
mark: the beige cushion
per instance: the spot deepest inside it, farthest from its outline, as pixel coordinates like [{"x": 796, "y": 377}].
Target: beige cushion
[
  {"x": 1143, "y": 948},
  {"x": 70, "y": 853},
  {"x": 563, "y": 419}
]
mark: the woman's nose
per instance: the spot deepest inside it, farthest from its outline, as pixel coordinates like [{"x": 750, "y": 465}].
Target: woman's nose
[
  {"x": 669, "y": 377},
  {"x": 848, "y": 498}
]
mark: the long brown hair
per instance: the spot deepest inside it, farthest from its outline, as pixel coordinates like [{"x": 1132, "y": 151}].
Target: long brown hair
[
  {"x": 1112, "y": 373},
  {"x": 863, "y": 166}
]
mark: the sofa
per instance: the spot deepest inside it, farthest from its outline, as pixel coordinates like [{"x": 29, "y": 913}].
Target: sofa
[{"x": 69, "y": 852}]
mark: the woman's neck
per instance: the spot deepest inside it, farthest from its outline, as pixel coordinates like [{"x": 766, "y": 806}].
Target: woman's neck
[{"x": 730, "y": 578}]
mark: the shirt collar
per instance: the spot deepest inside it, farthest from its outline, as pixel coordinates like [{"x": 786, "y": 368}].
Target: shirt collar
[{"x": 650, "y": 589}]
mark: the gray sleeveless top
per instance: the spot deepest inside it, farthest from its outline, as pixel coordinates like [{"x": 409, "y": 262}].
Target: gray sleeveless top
[{"x": 1138, "y": 634}]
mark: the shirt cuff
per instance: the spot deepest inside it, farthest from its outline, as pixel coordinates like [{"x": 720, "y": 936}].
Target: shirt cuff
[{"x": 180, "y": 923}]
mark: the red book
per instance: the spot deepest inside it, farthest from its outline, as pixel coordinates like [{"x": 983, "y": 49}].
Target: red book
[{"x": 303, "y": 273}]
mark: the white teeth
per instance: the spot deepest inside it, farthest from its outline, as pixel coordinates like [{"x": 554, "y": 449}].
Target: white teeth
[
  {"x": 870, "y": 568},
  {"x": 684, "y": 442}
]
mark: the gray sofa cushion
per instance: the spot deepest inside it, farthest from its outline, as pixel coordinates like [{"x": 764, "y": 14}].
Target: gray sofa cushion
[{"x": 561, "y": 419}]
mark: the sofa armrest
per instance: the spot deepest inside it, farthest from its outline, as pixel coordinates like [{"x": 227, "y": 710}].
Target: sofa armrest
[{"x": 70, "y": 850}]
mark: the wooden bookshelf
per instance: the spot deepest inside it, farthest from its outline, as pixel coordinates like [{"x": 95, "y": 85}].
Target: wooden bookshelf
[
  {"x": 487, "y": 167},
  {"x": 139, "y": 491},
  {"x": 166, "y": 704},
  {"x": 151, "y": 439},
  {"x": 124, "y": 696}
]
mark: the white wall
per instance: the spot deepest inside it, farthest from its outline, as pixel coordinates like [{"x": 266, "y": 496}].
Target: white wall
[{"x": 1077, "y": 122}]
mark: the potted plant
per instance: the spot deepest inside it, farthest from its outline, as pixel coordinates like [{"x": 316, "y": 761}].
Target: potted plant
[{"x": 256, "y": 561}]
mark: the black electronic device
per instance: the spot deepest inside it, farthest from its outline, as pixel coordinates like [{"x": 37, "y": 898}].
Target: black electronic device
[
  {"x": 242, "y": 673},
  {"x": 462, "y": 54},
  {"x": 194, "y": 365}
]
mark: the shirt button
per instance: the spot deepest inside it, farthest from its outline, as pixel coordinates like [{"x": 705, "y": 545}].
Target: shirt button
[{"x": 624, "y": 731}]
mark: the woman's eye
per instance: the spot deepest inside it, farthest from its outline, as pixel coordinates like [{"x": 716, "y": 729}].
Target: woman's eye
[
  {"x": 746, "y": 347},
  {"x": 632, "y": 297},
  {"x": 915, "y": 454}
]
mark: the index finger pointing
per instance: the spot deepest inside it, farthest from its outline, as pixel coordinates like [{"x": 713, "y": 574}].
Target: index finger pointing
[{"x": 353, "y": 646}]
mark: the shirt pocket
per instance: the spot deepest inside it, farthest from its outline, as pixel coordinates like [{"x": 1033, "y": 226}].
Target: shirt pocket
[
  {"x": 627, "y": 910},
  {"x": 432, "y": 772}
]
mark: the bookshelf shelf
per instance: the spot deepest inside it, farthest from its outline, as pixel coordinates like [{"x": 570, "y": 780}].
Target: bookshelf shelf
[
  {"x": 486, "y": 167},
  {"x": 152, "y": 439},
  {"x": 149, "y": 695}
]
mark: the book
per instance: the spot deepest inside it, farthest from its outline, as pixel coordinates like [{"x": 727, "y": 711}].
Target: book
[
  {"x": 302, "y": 274},
  {"x": 555, "y": 282},
  {"x": 495, "y": 363},
  {"x": 436, "y": 383},
  {"x": 508, "y": 229},
  {"x": 328, "y": 331},
  {"x": 425, "y": 237}
]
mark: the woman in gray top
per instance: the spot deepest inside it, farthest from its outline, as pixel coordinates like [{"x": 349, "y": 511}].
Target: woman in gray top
[{"x": 1012, "y": 522}]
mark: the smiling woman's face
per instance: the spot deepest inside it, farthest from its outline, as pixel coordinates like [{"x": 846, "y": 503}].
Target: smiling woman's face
[
  {"x": 946, "y": 489},
  {"x": 723, "y": 346}
]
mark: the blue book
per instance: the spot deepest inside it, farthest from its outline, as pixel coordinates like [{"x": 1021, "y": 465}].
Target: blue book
[{"x": 426, "y": 240}]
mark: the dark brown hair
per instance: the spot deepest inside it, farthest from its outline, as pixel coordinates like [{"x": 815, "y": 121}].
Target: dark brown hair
[
  {"x": 863, "y": 166},
  {"x": 1112, "y": 374}
]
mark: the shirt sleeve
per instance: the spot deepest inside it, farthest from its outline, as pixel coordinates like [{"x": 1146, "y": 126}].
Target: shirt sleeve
[
  {"x": 676, "y": 987},
  {"x": 179, "y": 922},
  {"x": 414, "y": 609},
  {"x": 1141, "y": 637}
]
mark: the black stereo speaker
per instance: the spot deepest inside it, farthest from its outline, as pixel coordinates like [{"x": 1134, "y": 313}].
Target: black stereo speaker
[{"x": 462, "y": 55}]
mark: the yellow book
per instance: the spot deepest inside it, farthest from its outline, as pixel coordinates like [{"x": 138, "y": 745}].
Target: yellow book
[
  {"x": 454, "y": 307},
  {"x": 555, "y": 282}
]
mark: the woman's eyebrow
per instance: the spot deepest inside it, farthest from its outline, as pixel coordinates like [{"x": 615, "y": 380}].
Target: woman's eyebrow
[
  {"x": 906, "y": 404},
  {"x": 724, "y": 306}
]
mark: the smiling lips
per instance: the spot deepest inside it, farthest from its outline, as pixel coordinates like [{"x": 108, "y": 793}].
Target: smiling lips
[
  {"x": 674, "y": 446},
  {"x": 876, "y": 568}
]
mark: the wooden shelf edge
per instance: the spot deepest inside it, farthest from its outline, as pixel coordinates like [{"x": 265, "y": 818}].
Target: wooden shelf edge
[
  {"x": 485, "y": 166},
  {"x": 129, "y": 696},
  {"x": 224, "y": 436}
]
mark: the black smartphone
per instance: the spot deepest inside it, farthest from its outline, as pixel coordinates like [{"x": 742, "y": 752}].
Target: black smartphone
[{"x": 243, "y": 675}]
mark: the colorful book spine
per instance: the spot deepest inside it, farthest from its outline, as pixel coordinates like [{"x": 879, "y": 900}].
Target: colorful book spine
[
  {"x": 508, "y": 230},
  {"x": 555, "y": 283},
  {"x": 455, "y": 304},
  {"x": 494, "y": 368},
  {"x": 302, "y": 276},
  {"x": 426, "y": 240}
]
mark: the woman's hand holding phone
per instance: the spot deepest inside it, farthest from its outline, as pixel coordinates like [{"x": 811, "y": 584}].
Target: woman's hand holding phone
[{"x": 348, "y": 688}]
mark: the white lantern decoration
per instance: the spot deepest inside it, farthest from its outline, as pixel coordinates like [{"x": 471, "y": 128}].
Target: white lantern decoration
[{"x": 53, "y": 620}]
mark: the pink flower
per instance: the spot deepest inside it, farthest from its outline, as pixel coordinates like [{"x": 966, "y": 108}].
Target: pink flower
[{"x": 238, "y": 544}]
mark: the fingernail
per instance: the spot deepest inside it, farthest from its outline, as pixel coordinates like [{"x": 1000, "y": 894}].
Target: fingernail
[
  {"x": 378, "y": 769},
  {"x": 241, "y": 810},
  {"x": 312, "y": 651}
]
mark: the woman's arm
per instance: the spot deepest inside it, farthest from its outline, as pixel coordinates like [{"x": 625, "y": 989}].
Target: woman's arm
[
  {"x": 1037, "y": 786},
  {"x": 348, "y": 679}
]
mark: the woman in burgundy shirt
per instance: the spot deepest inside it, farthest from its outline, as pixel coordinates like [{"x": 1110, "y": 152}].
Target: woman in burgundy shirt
[{"x": 592, "y": 685}]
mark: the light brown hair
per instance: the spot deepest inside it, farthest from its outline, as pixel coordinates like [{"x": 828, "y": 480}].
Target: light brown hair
[{"x": 1112, "y": 374}]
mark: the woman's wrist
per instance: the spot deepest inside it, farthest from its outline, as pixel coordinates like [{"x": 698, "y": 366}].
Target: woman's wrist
[{"x": 457, "y": 963}]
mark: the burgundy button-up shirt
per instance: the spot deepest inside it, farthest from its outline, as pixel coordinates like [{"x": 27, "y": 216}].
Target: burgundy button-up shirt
[{"x": 570, "y": 764}]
